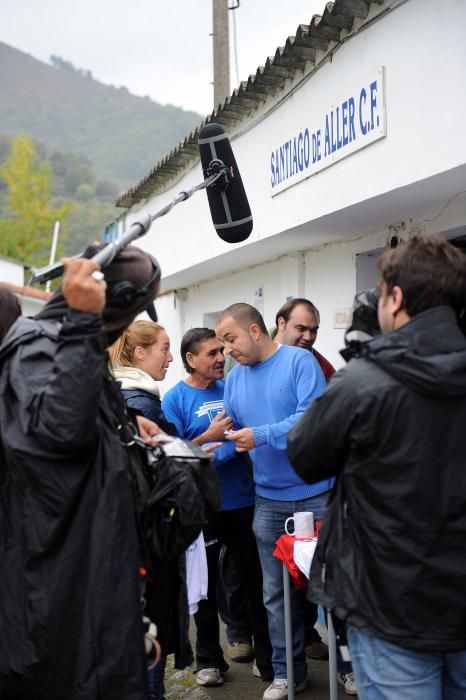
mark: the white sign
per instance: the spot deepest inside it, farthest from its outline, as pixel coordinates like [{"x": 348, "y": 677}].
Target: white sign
[
  {"x": 259, "y": 299},
  {"x": 350, "y": 123},
  {"x": 342, "y": 317}
]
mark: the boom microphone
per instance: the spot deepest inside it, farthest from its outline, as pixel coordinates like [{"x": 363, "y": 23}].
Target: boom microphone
[
  {"x": 228, "y": 203},
  {"x": 229, "y": 207}
]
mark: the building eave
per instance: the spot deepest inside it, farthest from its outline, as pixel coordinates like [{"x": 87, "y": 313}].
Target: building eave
[{"x": 299, "y": 55}]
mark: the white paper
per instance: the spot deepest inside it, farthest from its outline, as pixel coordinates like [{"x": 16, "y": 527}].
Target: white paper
[{"x": 303, "y": 552}]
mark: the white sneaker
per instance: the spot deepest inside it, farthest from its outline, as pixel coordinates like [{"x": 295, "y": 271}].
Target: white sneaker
[
  {"x": 348, "y": 682},
  {"x": 209, "y": 676},
  {"x": 255, "y": 670},
  {"x": 278, "y": 690}
]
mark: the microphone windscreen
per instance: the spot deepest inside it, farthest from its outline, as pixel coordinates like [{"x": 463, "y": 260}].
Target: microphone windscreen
[{"x": 231, "y": 214}]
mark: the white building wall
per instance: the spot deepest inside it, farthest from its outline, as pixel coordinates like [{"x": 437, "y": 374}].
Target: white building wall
[
  {"x": 11, "y": 272},
  {"x": 306, "y": 240},
  {"x": 31, "y": 306},
  {"x": 331, "y": 285},
  {"x": 425, "y": 104},
  {"x": 266, "y": 286},
  {"x": 326, "y": 275}
]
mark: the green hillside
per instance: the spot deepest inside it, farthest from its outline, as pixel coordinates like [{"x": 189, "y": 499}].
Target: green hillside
[
  {"x": 72, "y": 182},
  {"x": 123, "y": 136}
]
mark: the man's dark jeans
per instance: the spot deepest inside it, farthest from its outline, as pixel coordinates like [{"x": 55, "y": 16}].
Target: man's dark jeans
[{"x": 233, "y": 528}]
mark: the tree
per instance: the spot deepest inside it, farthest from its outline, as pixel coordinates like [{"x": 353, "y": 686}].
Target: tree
[
  {"x": 66, "y": 66},
  {"x": 84, "y": 192},
  {"x": 26, "y": 233}
]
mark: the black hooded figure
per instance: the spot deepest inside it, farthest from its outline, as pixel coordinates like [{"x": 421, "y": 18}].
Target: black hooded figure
[
  {"x": 70, "y": 615},
  {"x": 364, "y": 324}
]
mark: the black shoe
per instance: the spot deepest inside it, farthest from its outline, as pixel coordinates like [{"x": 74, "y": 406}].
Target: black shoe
[{"x": 317, "y": 650}]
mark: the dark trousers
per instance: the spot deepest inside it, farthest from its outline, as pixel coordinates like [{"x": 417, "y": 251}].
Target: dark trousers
[
  {"x": 310, "y": 618},
  {"x": 234, "y": 529},
  {"x": 231, "y": 600}
]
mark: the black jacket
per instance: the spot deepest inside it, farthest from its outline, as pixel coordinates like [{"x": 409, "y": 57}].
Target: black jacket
[
  {"x": 70, "y": 617},
  {"x": 391, "y": 557},
  {"x": 166, "y": 591},
  {"x": 150, "y": 406}
]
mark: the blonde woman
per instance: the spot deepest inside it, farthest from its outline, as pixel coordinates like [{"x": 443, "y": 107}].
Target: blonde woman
[{"x": 140, "y": 358}]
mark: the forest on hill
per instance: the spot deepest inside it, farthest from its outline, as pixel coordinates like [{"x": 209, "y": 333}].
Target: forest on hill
[
  {"x": 37, "y": 187},
  {"x": 68, "y": 146},
  {"x": 63, "y": 107}
]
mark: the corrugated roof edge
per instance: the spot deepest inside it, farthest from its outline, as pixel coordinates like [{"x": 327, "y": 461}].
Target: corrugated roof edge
[
  {"x": 27, "y": 291},
  {"x": 299, "y": 51}
]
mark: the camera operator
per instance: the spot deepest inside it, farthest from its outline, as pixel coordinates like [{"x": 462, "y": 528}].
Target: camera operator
[
  {"x": 70, "y": 612},
  {"x": 391, "y": 557}
]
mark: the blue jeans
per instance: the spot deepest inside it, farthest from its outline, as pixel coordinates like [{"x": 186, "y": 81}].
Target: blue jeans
[
  {"x": 155, "y": 680},
  {"x": 268, "y": 526},
  {"x": 386, "y": 671}
]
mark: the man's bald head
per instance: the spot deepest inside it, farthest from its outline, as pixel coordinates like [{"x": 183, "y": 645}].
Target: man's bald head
[{"x": 244, "y": 315}]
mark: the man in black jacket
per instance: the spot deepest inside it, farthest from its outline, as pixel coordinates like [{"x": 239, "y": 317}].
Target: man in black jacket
[
  {"x": 70, "y": 613},
  {"x": 391, "y": 558}
]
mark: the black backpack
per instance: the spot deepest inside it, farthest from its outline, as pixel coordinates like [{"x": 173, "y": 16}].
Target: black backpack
[
  {"x": 175, "y": 485},
  {"x": 185, "y": 494}
]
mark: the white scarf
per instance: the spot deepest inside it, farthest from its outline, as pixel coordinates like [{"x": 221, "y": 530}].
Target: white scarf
[{"x": 134, "y": 378}]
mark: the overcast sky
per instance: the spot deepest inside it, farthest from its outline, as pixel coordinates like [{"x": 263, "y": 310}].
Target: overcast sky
[{"x": 156, "y": 48}]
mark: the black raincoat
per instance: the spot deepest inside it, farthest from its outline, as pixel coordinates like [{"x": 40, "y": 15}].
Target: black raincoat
[
  {"x": 70, "y": 617},
  {"x": 391, "y": 557}
]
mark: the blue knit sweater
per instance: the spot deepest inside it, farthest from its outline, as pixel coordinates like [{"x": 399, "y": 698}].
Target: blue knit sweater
[{"x": 269, "y": 397}]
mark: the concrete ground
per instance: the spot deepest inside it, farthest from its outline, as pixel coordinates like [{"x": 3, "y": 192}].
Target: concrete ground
[{"x": 240, "y": 683}]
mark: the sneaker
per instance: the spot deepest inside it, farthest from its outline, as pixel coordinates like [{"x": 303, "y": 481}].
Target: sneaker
[
  {"x": 348, "y": 682},
  {"x": 278, "y": 690},
  {"x": 209, "y": 676},
  {"x": 317, "y": 650},
  {"x": 255, "y": 670},
  {"x": 240, "y": 651},
  {"x": 266, "y": 676}
]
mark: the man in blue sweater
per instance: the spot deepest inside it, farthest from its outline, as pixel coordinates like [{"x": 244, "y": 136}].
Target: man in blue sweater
[{"x": 266, "y": 392}]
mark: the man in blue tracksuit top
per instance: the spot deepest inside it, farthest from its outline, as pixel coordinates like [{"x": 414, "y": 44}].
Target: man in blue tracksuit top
[
  {"x": 195, "y": 406},
  {"x": 266, "y": 392}
]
